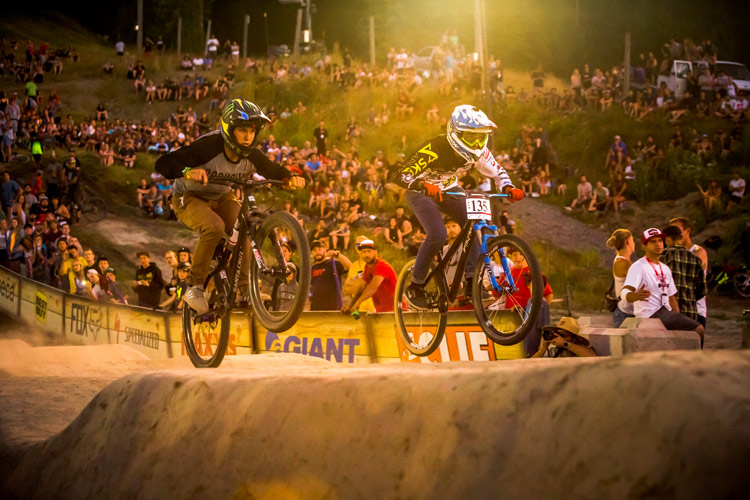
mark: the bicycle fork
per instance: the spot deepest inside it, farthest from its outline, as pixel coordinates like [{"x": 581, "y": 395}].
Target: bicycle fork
[{"x": 484, "y": 239}]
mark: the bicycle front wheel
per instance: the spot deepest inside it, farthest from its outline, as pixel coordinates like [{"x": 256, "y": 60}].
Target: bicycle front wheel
[
  {"x": 421, "y": 331},
  {"x": 94, "y": 209},
  {"x": 506, "y": 315},
  {"x": 205, "y": 337},
  {"x": 279, "y": 286}
]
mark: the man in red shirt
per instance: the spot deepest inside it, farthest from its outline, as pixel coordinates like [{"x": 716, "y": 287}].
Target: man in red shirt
[{"x": 380, "y": 278}]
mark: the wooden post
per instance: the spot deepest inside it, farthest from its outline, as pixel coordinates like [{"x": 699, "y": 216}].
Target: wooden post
[
  {"x": 372, "y": 42},
  {"x": 478, "y": 40},
  {"x": 626, "y": 76},
  {"x": 244, "y": 37},
  {"x": 179, "y": 38}
]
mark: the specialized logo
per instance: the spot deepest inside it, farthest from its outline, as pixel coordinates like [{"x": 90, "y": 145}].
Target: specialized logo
[
  {"x": 137, "y": 336},
  {"x": 313, "y": 346}
]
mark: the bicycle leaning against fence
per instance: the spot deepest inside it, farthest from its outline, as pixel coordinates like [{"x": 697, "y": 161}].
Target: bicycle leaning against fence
[
  {"x": 278, "y": 282},
  {"x": 499, "y": 312}
]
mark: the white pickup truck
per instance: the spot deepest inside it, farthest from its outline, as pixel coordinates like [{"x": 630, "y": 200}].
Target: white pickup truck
[{"x": 676, "y": 80}]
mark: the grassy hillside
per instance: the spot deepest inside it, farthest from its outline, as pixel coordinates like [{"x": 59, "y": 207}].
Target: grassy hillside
[{"x": 581, "y": 140}]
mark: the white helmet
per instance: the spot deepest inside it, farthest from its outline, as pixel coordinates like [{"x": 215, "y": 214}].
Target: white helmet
[{"x": 468, "y": 131}]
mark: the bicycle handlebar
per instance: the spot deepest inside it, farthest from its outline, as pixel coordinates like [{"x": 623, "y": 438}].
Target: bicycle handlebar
[
  {"x": 498, "y": 195},
  {"x": 242, "y": 183}
]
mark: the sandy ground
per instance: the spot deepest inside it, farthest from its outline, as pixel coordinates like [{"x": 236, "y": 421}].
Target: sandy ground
[{"x": 105, "y": 422}]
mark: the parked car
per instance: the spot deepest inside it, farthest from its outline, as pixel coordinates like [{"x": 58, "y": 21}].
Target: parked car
[{"x": 676, "y": 80}]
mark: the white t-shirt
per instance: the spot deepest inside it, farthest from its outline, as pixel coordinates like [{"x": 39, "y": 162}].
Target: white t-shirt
[
  {"x": 651, "y": 275},
  {"x": 738, "y": 187}
]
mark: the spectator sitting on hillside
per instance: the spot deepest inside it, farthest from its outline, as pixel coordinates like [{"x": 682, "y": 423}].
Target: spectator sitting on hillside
[
  {"x": 585, "y": 193},
  {"x": 736, "y": 192},
  {"x": 601, "y": 198},
  {"x": 711, "y": 195}
]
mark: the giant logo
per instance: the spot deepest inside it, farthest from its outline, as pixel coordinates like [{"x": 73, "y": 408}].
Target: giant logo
[
  {"x": 85, "y": 320},
  {"x": 313, "y": 346}
]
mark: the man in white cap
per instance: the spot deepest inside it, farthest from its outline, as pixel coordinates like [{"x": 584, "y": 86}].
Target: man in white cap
[
  {"x": 380, "y": 278},
  {"x": 650, "y": 287}
]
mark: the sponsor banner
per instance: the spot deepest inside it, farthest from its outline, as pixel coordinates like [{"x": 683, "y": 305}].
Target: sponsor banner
[
  {"x": 464, "y": 340},
  {"x": 10, "y": 286},
  {"x": 240, "y": 335},
  {"x": 327, "y": 335},
  {"x": 141, "y": 329},
  {"x": 42, "y": 307},
  {"x": 85, "y": 322}
]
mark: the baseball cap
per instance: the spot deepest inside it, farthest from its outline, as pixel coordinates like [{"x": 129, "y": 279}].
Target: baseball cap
[
  {"x": 92, "y": 271},
  {"x": 183, "y": 249},
  {"x": 183, "y": 266},
  {"x": 364, "y": 244},
  {"x": 143, "y": 253},
  {"x": 317, "y": 243},
  {"x": 651, "y": 233},
  {"x": 110, "y": 270}
]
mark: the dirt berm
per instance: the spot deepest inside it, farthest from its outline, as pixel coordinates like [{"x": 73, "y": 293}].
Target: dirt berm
[{"x": 661, "y": 425}]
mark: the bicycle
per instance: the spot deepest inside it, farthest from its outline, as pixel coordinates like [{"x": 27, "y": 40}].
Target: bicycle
[
  {"x": 501, "y": 314},
  {"x": 93, "y": 208},
  {"x": 277, "y": 285}
]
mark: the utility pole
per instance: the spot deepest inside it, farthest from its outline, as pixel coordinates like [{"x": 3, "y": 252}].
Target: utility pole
[
  {"x": 265, "y": 21},
  {"x": 297, "y": 33},
  {"x": 308, "y": 20},
  {"x": 372, "y": 42},
  {"x": 479, "y": 41},
  {"x": 139, "y": 28},
  {"x": 244, "y": 37},
  {"x": 208, "y": 36},
  {"x": 179, "y": 37},
  {"x": 626, "y": 70}
]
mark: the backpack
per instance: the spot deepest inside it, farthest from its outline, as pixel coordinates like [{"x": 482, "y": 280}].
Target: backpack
[{"x": 610, "y": 300}]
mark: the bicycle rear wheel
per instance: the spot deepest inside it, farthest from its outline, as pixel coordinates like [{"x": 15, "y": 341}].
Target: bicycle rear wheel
[
  {"x": 205, "y": 337},
  {"x": 742, "y": 284},
  {"x": 94, "y": 209},
  {"x": 507, "y": 317},
  {"x": 278, "y": 292},
  {"x": 421, "y": 331}
]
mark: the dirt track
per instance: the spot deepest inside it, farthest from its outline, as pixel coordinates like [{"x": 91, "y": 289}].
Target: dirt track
[{"x": 289, "y": 426}]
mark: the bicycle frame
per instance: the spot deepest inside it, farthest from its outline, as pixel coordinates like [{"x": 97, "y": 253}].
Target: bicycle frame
[
  {"x": 230, "y": 262},
  {"x": 466, "y": 239}
]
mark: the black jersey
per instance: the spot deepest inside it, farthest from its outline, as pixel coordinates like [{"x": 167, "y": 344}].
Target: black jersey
[
  {"x": 436, "y": 162},
  {"x": 207, "y": 152}
]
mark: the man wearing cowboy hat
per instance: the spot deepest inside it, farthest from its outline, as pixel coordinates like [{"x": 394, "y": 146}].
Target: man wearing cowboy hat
[
  {"x": 563, "y": 340},
  {"x": 380, "y": 278}
]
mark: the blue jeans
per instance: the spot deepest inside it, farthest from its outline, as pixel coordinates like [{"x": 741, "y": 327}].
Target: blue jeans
[
  {"x": 428, "y": 211},
  {"x": 619, "y": 316}
]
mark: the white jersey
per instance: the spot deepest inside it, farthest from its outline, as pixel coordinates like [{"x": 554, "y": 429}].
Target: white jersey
[{"x": 700, "y": 304}]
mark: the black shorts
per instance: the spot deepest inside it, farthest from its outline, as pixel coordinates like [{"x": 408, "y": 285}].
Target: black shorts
[
  {"x": 736, "y": 199},
  {"x": 674, "y": 320}
]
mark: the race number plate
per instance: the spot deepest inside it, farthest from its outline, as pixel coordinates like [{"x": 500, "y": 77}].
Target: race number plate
[{"x": 478, "y": 208}]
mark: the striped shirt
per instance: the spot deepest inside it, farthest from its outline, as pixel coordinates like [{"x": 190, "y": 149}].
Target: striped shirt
[{"x": 688, "y": 275}]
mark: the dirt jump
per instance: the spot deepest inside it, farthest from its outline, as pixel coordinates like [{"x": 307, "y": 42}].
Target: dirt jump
[{"x": 105, "y": 422}]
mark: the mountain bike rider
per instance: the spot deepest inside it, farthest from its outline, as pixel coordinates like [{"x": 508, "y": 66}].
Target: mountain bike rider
[
  {"x": 210, "y": 208},
  {"x": 434, "y": 169}
]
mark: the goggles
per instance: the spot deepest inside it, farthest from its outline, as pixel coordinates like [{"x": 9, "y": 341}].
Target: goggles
[{"x": 475, "y": 140}]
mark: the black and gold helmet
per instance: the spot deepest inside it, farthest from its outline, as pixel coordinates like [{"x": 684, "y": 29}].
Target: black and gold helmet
[{"x": 241, "y": 112}]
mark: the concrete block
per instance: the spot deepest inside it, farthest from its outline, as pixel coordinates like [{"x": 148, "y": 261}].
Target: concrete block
[
  {"x": 621, "y": 341},
  {"x": 642, "y": 324}
]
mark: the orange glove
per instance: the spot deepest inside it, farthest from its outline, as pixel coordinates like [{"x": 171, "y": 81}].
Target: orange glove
[
  {"x": 433, "y": 191},
  {"x": 514, "y": 194}
]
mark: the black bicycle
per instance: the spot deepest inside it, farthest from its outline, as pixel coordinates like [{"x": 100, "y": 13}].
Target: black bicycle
[
  {"x": 278, "y": 281},
  {"x": 505, "y": 310}
]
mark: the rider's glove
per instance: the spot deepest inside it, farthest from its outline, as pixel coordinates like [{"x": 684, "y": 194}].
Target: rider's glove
[
  {"x": 433, "y": 191},
  {"x": 514, "y": 194}
]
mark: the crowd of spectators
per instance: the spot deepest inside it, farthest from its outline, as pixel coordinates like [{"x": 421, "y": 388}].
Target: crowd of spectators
[{"x": 347, "y": 190}]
